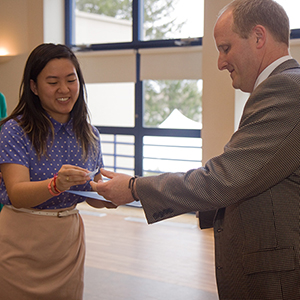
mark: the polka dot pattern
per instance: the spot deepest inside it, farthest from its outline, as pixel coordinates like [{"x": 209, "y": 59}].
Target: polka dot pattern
[{"x": 16, "y": 148}]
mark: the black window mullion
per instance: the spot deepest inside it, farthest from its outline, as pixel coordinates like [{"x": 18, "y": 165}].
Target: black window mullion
[
  {"x": 137, "y": 20},
  {"x": 69, "y": 22},
  {"x": 139, "y": 116},
  {"x": 137, "y": 32}
]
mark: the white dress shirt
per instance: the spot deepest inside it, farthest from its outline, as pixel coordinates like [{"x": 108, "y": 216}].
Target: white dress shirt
[{"x": 269, "y": 69}]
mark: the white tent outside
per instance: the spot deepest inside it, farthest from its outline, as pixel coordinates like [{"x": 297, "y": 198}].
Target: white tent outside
[{"x": 179, "y": 121}]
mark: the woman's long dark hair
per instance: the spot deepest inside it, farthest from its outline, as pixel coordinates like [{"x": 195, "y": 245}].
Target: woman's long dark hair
[{"x": 32, "y": 117}]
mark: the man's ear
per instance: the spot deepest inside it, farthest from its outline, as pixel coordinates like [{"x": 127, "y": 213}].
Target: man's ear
[
  {"x": 33, "y": 87},
  {"x": 259, "y": 33}
]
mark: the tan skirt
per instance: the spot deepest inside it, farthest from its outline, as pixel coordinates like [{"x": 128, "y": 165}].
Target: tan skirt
[{"x": 41, "y": 257}]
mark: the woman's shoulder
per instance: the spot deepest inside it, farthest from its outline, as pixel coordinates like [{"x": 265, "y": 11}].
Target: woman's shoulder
[
  {"x": 11, "y": 123},
  {"x": 95, "y": 130},
  {"x": 11, "y": 126}
]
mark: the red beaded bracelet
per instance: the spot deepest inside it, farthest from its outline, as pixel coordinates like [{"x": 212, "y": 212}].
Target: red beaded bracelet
[
  {"x": 50, "y": 188},
  {"x": 55, "y": 186}
]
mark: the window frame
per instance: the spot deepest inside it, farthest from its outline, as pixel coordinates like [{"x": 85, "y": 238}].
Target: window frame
[{"x": 138, "y": 131}]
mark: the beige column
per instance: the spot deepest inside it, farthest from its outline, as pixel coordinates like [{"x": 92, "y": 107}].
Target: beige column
[{"x": 218, "y": 93}]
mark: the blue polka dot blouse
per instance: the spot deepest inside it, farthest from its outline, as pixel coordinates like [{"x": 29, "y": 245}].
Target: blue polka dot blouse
[{"x": 16, "y": 148}]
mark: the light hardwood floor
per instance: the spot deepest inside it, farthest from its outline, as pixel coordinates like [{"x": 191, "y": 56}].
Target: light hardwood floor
[{"x": 127, "y": 259}]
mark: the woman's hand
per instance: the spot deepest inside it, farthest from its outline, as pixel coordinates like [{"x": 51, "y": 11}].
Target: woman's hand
[
  {"x": 25, "y": 193},
  {"x": 69, "y": 175}
]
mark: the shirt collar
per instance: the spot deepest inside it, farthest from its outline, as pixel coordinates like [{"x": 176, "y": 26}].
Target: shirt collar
[
  {"x": 269, "y": 69},
  {"x": 59, "y": 126}
]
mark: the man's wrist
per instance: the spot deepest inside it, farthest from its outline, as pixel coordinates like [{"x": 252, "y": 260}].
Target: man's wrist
[{"x": 131, "y": 186}]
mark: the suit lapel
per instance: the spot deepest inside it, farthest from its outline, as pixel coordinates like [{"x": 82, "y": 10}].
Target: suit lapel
[{"x": 289, "y": 64}]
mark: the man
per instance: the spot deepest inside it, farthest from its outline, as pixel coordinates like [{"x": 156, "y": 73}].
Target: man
[{"x": 254, "y": 185}]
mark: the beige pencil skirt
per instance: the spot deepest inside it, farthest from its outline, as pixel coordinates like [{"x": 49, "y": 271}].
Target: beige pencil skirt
[{"x": 41, "y": 257}]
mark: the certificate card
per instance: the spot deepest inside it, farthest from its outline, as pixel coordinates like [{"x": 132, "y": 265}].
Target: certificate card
[{"x": 88, "y": 194}]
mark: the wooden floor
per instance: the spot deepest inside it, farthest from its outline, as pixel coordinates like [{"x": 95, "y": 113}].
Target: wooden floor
[{"x": 127, "y": 259}]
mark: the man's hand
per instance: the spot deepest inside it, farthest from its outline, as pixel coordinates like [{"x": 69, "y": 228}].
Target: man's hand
[{"x": 116, "y": 189}]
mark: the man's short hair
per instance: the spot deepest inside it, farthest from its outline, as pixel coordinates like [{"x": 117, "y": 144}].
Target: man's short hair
[{"x": 268, "y": 13}]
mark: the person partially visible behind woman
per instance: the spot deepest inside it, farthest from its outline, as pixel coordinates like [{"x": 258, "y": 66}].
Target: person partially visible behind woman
[
  {"x": 3, "y": 114},
  {"x": 47, "y": 146}
]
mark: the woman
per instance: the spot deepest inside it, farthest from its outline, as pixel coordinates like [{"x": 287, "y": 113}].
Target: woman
[{"x": 47, "y": 147}]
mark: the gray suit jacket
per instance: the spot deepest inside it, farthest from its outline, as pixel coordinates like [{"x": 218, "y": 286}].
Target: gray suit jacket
[{"x": 254, "y": 187}]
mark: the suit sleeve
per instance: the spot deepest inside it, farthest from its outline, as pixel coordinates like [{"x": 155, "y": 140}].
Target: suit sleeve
[{"x": 261, "y": 153}]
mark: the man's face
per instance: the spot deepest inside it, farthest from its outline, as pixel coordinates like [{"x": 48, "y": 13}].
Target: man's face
[{"x": 237, "y": 55}]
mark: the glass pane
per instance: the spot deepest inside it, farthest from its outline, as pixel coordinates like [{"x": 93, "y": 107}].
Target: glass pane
[
  {"x": 118, "y": 152},
  {"x": 171, "y": 154},
  {"x": 103, "y": 21},
  {"x": 173, "y": 104},
  {"x": 292, "y": 9},
  {"x": 169, "y": 19},
  {"x": 111, "y": 104}
]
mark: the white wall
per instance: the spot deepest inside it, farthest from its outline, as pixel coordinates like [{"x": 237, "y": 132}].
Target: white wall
[{"x": 24, "y": 24}]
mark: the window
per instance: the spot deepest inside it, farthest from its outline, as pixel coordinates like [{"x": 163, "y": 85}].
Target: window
[
  {"x": 108, "y": 103},
  {"x": 164, "y": 98},
  {"x": 172, "y": 19},
  {"x": 161, "y": 154},
  {"x": 143, "y": 83},
  {"x": 144, "y": 54},
  {"x": 290, "y": 7},
  {"x": 112, "y": 21}
]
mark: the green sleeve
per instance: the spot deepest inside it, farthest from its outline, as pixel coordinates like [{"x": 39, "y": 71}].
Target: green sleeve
[{"x": 3, "y": 108}]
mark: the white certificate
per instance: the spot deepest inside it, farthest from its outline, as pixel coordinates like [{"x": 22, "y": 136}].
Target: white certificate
[{"x": 88, "y": 194}]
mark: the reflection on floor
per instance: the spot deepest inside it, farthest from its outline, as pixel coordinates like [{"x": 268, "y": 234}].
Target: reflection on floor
[{"x": 127, "y": 259}]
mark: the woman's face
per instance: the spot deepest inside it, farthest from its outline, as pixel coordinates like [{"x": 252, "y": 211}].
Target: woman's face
[{"x": 57, "y": 86}]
